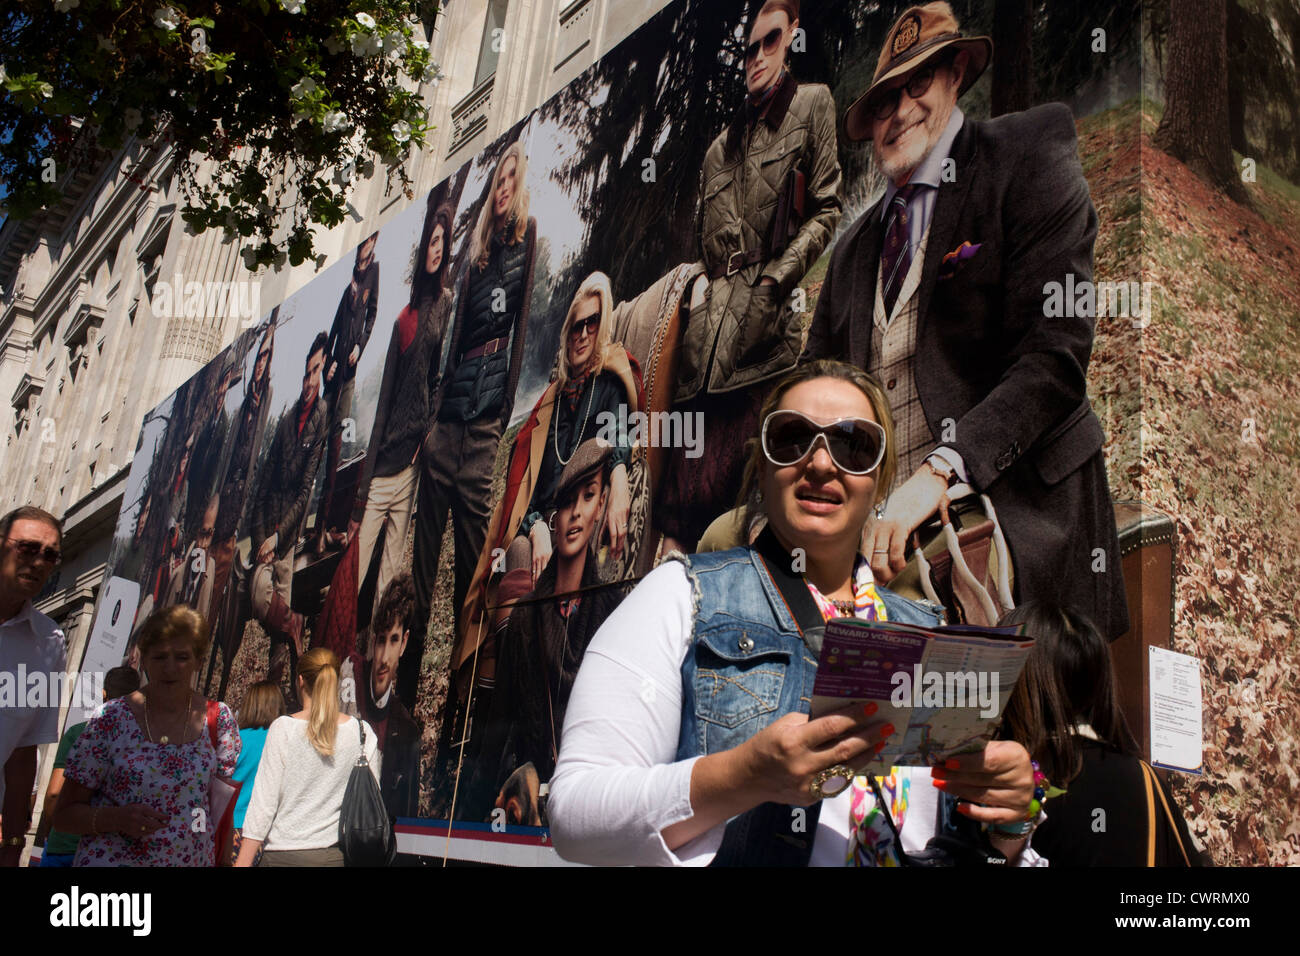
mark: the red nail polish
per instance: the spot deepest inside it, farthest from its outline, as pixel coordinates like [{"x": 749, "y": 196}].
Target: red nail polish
[
  {"x": 878, "y": 747},
  {"x": 952, "y": 763},
  {"x": 939, "y": 783},
  {"x": 887, "y": 731},
  {"x": 870, "y": 708}
]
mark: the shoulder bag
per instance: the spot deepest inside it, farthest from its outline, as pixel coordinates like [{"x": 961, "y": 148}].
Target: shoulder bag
[{"x": 365, "y": 833}]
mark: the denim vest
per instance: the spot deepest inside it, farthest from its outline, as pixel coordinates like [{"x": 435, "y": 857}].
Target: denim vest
[{"x": 747, "y": 667}]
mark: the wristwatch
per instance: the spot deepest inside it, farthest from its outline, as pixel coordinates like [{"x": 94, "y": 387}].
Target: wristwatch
[{"x": 941, "y": 467}]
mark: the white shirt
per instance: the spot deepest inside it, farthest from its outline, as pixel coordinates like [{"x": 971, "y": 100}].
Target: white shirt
[
  {"x": 618, "y": 783},
  {"x": 297, "y": 794},
  {"x": 30, "y": 643}
]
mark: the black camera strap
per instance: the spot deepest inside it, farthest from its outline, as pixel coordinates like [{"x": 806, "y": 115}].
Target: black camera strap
[{"x": 794, "y": 589}]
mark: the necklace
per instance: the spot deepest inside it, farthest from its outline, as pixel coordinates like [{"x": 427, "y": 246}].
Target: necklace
[
  {"x": 555, "y": 435},
  {"x": 164, "y": 739}
]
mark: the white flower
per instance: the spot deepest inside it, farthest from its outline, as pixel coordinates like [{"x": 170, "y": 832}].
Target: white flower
[
  {"x": 165, "y": 18},
  {"x": 366, "y": 44},
  {"x": 394, "y": 40},
  {"x": 401, "y": 131},
  {"x": 291, "y": 6},
  {"x": 420, "y": 43},
  {"x": 335, "y": 121},
  {"x": 303, "y": 87},
  {"x": 343, "y": 175},
  {"x": 45, "y": 90},
  {"x": 432, "y": 74},
  {"x": 366, "y": 20},
  {"x": 132, "y": 118},
  {"x": 3, "y": 75},
  {"x": 63, "y": 6}
]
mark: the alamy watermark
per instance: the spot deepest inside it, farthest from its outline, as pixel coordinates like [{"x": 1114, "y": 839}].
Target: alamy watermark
[
  {"x": 922, "y": 688},
  {"x": 34, "y": 689},
  {"x": 1084, "y": 298},
  {"x": 675, "y": 429},
  {"x": 178, "y": 299},
  {"x": 77, "y": 909}
]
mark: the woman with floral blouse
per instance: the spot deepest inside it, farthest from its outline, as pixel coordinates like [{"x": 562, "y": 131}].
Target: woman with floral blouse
[{"x": 137, "y": 780}]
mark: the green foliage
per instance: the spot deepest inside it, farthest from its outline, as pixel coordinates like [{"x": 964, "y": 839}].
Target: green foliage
[{"x": 272, "y": 107}]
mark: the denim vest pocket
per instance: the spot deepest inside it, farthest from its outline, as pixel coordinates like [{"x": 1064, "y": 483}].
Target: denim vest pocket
[{"x": 739, "y": 675}]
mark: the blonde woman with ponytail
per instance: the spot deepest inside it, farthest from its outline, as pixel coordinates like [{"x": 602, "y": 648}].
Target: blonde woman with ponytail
[{"x": 304, "y": 772}]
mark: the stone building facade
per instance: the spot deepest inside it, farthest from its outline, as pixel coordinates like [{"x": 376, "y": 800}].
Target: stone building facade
[{"x": 85, "y": 347}]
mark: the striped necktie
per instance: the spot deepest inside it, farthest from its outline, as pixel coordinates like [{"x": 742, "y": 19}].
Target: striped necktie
[{"x": 896, "y": 257}]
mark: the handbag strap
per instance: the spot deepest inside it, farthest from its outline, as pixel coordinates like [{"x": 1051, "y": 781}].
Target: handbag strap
[
  {"x": 361, "y": 730},
  {"x": 214, "y": 712},
  {"x": 1149, "y": 777}
]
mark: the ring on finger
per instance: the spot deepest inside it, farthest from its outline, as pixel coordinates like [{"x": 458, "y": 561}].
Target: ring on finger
[{"x": 822, "y": 777}]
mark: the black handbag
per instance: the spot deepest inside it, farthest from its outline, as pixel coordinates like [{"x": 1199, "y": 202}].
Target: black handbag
[{"x": 365, "y": 833}]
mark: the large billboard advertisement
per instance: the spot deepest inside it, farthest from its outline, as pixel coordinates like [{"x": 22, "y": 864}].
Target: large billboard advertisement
[{"x": 451, "y": 455}]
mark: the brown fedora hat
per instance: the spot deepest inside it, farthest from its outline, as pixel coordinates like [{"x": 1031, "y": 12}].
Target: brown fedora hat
[{"x": 920, "y": 34}]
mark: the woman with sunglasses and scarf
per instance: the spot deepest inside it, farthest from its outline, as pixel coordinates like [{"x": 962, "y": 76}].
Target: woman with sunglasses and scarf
[
  {"x": 769, "y": 204},
  {"x": 595, "y": 377},
  {"x": 687, "y": 740}
]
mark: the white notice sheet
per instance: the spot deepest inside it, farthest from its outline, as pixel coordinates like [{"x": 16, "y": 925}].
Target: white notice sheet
[{"x": 1175, "y": 710}]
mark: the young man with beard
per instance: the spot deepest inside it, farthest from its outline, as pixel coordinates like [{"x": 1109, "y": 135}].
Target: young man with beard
[
  {"x": 938, "y": 291},
  {"x": 378, "y": 703}
]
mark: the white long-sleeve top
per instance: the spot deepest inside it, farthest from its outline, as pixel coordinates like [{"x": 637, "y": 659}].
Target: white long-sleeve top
[
  {"x": 298, "y": 794},
  {"x": 618, "y": 784}
]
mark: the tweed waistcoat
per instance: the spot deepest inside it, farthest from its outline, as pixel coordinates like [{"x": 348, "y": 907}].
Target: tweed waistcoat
[{"x": 893, "y": 345}]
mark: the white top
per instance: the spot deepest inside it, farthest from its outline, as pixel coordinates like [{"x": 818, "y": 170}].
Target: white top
[
  {"x": 30, "y": 643},
  {"x": 618, "y": 784},
  {"x": 298, "y": 793}
]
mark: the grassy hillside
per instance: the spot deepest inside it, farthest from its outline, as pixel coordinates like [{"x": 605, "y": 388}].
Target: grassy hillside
[{"x": 1201, "y": 408}]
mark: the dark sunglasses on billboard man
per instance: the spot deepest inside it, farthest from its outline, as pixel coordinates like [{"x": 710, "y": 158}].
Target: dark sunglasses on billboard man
[{"x": 768, "y": 43}]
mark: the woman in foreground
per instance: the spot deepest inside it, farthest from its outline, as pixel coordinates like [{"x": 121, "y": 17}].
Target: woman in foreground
[
  {"x": 139, "y": 775},
  {"x": 690, "y": 708}
]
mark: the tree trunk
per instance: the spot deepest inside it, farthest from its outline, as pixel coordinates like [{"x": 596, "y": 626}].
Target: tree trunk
[
  {"x": 1195, "y": 124},
  {"x": 1013, "y": 58},
  {"x": 1238, "y": 66}
]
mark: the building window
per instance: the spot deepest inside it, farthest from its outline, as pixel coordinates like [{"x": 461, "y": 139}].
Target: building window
[{"x": 494, "y": 40}]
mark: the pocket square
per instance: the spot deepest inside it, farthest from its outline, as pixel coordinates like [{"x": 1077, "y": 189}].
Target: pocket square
[{"x": 948, "y": 265}]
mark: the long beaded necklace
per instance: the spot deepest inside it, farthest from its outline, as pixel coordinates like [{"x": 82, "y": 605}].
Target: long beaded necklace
[
  {"x": 555, "y": 435},
  {"x": 164, "y": 739}
]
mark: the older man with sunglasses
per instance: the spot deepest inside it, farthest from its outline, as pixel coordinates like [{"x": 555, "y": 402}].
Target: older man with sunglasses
[
  {"x": 30, "y": 643},
  {"x": 939, "y": 290},
  {"x": 769, "y": 205}
]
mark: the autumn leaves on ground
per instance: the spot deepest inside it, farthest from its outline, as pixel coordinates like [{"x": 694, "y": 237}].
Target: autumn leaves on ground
[{"x": 1201, "y": 406}]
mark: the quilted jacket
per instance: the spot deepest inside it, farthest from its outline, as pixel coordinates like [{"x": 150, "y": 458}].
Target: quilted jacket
[{"x": 750, "y": 332}]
